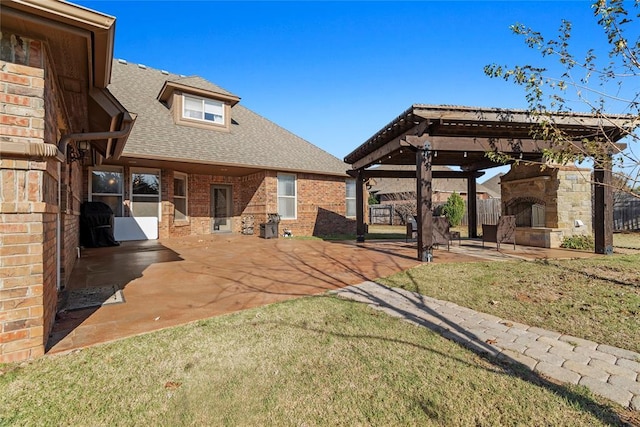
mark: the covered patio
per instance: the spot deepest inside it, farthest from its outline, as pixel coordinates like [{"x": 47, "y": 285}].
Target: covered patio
[
  {"x": 175, "y": 281},
  {"x": 461, "y": 137}
]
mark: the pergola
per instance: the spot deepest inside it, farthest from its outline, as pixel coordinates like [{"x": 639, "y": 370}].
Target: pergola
[{"x": 428, "y": 135}]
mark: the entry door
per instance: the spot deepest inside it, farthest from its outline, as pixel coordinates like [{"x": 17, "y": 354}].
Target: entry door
[{"x": 220, "y": 208}]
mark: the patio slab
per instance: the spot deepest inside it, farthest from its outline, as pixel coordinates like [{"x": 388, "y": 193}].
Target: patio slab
[{"x": 175, "y": 281}]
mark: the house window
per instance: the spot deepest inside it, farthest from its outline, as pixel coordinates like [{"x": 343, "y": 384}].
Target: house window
[
  {"x": 180, "y": 196},
  {"x": 351, "y": 197},
  {"x": 106, "y": 186},
  {"x": 145, "y": 193},
  {"x": 203, "y": 109},
  {"x": 287, "y": 196}
]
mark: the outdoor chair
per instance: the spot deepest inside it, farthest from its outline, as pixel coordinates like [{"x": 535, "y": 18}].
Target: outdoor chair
[
  {"x": 441, "y": 234},
  {"x": 412, "y": 229},
  {"x": 503, "y": 232}
]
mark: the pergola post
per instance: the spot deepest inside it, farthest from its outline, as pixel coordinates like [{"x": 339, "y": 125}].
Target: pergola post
[
  {"x": 603, "y": 209},
  {"x": 360, "y": 227},
  {"x": 424, "y": 159},
  {"x": 472, "y": 206}
]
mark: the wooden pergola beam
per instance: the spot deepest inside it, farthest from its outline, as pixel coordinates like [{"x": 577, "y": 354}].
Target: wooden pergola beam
[
  {"x": 424, "y": 190},
  {"x": 519, "y": 117},
  {"x": 392, "y": 146},
  {"x": 412, "y": 174}
]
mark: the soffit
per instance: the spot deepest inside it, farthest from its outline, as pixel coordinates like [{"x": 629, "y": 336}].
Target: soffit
[
  {"x": 69, "y": 52},
  {"x": 79, "y": 48},
  {"x": 186, "y": 167}
]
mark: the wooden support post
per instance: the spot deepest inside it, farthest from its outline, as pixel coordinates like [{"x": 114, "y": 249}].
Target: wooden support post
[
  {"x": 603, "y": 210},
  {"x": 360, "y": 226},
  {"x": 472, "y": 206},
  {"x": 424, "y": 158}
]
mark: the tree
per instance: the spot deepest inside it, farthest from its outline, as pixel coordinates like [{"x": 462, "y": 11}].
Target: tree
[
  {"x": 453, "y": 209},
  {"x": 606, "y": 83}
]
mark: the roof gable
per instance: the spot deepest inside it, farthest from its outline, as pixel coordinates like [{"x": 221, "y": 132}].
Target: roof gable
[{"x": 252, "y": 140}]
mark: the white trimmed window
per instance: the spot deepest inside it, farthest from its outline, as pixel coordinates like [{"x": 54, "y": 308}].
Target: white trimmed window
[
  {"x": 351, "y": 197},
  {"x": 207, "y": 110},
  {"x": 180, "y": 196},
  {"x": 145, "y": 193},
  {"x": 106, "y": 185},
  {"x": 287, "y": 199}
]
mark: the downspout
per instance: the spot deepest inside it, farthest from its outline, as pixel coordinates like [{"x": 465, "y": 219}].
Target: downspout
[{"x": 58, "y": 234}]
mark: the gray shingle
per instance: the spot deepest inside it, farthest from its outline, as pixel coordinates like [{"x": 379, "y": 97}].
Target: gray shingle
[
  {"x": 253, "y": 141},
  {"x": 200, "y": 83}
]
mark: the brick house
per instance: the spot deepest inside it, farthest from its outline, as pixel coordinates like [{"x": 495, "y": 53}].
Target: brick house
[
  {"x": 212, "y": 163},
  {"x": 172, "y": 155}
]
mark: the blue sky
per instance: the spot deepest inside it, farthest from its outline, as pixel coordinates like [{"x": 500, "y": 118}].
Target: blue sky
[{"x": 335, "y": 73}]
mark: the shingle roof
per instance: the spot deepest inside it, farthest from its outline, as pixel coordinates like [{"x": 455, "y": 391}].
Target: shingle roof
[
  {"x": 408, "y": 185},
  {"x": 493, "y": 185},
  {"x": 200, "y": 83},
  {"x": 252, "y": 141}
]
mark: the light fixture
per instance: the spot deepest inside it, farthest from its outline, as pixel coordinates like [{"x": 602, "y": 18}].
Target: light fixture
[
  {"x": 465, "y": 154},
  {"x": 78, "y": 151},
  {"x": 435, "y": 153}
]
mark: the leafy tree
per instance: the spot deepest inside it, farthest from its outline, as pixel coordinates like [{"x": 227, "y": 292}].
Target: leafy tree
[
  {"x": 603, "y": 82},
  {"x": 453, "y": 209}
]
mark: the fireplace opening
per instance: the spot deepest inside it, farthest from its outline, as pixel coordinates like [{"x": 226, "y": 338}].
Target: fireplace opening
[{"x": 528, "y": 212}]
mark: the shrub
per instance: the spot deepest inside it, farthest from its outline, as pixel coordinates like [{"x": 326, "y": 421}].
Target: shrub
[
  {"x": 453, "y": 209},
  {"x": 578, "y": 241}
]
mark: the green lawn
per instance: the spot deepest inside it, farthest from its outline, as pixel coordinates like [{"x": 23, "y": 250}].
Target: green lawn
[
  {"x": 596, "y": 299},
  {"x": 325, "y": 361},
  {"x": 311, "y": 361}
]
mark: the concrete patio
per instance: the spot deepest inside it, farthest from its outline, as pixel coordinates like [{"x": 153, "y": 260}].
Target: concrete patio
[{"x": 175, "y": 281}]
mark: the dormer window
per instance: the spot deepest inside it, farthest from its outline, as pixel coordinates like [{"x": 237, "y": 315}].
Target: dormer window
[
  {"x": 198, "y": 103},
  {"x": 203, "y": 109}
]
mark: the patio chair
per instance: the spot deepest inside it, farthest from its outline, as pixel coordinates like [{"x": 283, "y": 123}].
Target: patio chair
[
  {"x": 503, "y": 232},
  {"x": 441, "y": 234},
  {"x": 412, "y": 229}
]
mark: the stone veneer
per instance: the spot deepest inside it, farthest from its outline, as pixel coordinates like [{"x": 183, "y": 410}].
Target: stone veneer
[{"x": 565, "y": 192}]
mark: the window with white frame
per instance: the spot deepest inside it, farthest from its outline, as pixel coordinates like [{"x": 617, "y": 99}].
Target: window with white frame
[
  {"x": 145, "y": 193},
  {"x": 180, "y": 196},
  {"x": 106, "y": 185},
  {"x": 208, "y": 110},
  {"x": 351, "y": 197},
  {"x": 287, "y": 196}
]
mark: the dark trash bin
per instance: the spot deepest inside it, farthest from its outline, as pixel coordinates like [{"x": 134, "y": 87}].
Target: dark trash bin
[
  {"x": 269, "y": 229},
  {"x": 96, "y": 225}
]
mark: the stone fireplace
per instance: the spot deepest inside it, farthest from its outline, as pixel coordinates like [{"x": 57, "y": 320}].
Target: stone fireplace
[{"x": 548, "y": 204}]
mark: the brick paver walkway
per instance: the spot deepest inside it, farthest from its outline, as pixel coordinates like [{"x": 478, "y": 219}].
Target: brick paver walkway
[{"x": 607, "y": 371}]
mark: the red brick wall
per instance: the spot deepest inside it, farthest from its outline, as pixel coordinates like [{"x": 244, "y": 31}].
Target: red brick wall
[
  {"x": 321, "y": 203},
  {"x": 28, "y": 206},
  {"x": 248, "y": 198}
]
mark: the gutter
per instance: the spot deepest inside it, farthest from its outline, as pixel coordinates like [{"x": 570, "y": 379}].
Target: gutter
[
  {"x": 43, "y": 149},
  {"x": 93, "y": 136}
]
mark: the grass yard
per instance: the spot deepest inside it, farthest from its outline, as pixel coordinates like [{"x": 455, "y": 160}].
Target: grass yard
[
  {"x": 597, "y": 299},
  {"x": 627, "y": 240},
  {"x": 311, "y": 361}
]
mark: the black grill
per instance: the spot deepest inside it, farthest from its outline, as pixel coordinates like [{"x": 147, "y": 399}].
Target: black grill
[{"x": 96, "y": 225}]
